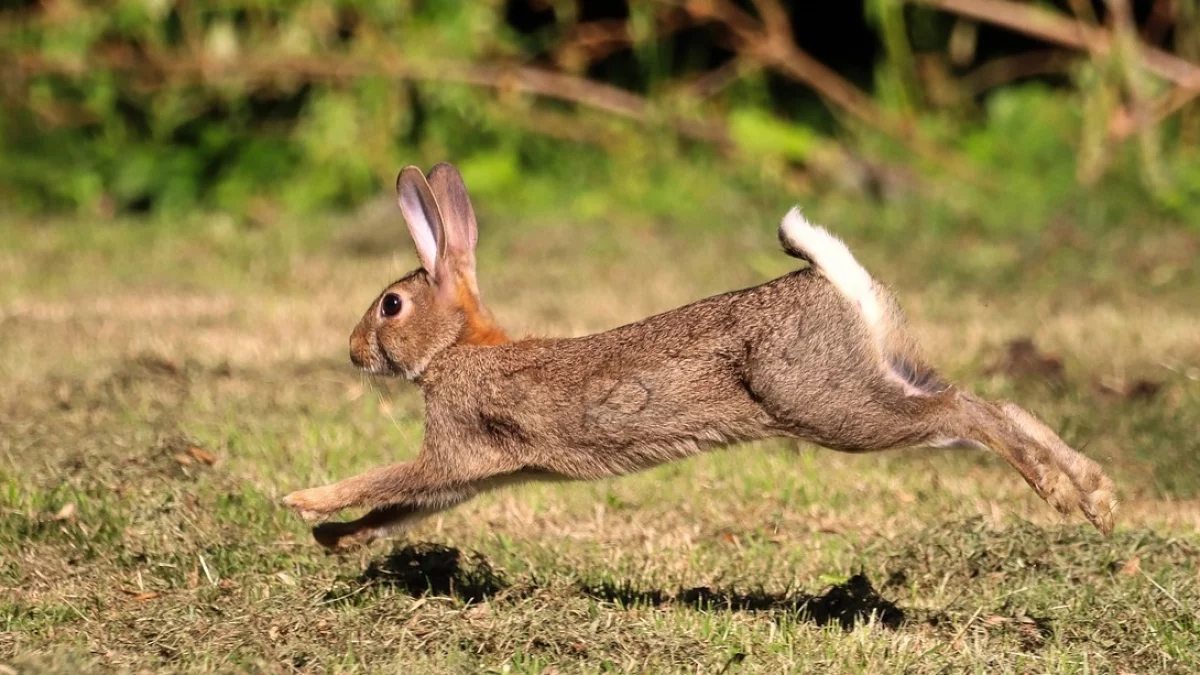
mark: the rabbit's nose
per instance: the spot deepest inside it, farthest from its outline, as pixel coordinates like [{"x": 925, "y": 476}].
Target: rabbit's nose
[{"x": 357, "y": 348}]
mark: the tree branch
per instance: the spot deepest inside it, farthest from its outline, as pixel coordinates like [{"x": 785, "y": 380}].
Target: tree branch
[
  {"x": 1054, "y": 27},
  {"x": 249, "y": 68},
  {"x": 771, "y": 44}
]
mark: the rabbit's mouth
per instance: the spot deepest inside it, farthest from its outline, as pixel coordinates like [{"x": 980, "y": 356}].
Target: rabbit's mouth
[
  {"x": 375, "y": 362},
  {"x": 379, "y": 363},
  {"x": 389, "y": 367},
  {"x": 371, "y": 358}
]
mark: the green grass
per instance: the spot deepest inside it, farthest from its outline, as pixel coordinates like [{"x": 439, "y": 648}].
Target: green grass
[{"x": 126, "y": 344}]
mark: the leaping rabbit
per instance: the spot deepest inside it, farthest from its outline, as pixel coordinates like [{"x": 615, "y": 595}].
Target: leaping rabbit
[{"x": 820, "y": 354}]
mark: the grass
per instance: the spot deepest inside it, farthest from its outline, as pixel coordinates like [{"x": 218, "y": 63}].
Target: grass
[{"x": 127, "y": 346}]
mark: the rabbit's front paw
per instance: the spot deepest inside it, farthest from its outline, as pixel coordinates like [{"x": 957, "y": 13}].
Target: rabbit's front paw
[
  {"x": 314, "y": 504},
  {"x": 342, "y": 537}
]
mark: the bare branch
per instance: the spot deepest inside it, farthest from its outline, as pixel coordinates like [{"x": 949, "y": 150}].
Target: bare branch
[
  {"x": 711, "y": 83},
  {"x": 1004, "y": 69},
  {"x": 1127, "y": 43},
  {"x": 248, "y": 68},
  {"x": 780, "y": 53},
  {"x": 1054, "y": 27},
  {"x": 775, "y": 20}
]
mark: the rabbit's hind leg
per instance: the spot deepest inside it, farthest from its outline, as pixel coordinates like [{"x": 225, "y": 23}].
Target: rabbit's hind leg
[{"x": 1062, "y": 476}]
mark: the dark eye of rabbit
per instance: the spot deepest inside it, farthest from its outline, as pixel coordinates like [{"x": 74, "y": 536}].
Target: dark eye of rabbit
[{"x": 391, "y": 305}]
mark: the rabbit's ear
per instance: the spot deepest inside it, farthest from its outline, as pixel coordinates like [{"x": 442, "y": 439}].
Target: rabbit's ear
[
  {"x": 462, "y": 231},
  {"x": 424, "y": 220}
]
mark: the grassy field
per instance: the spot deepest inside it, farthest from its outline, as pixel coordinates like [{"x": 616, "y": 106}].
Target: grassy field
[{"x": 161, "y": 387}]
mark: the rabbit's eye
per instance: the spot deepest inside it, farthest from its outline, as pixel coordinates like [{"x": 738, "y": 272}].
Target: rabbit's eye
[{"x": 390, "y": 306}]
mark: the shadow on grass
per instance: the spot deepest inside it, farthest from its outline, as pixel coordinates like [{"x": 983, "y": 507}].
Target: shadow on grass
[
  {"x": 433, "y": 569},
  {"x": 845, "y": 604}
]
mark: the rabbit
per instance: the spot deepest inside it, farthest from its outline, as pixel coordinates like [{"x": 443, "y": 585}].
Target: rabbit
[{"x": 820, "y": 354}]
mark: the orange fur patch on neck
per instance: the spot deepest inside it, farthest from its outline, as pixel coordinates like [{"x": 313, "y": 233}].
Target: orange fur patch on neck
[{"x": 480, "y": 329}]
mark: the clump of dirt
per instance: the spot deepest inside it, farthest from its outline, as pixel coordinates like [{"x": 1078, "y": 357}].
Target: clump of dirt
[
  {"x": 1136, "y": 390},
  {"x": 1023, "y": 361},
  {"x": 177, "y": 456}
]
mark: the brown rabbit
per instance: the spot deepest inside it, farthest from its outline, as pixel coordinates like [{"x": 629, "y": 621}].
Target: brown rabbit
[{"x": 820, "y": 354}]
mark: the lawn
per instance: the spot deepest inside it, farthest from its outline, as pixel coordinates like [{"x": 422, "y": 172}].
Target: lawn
[{"x": 163, "y": 385}]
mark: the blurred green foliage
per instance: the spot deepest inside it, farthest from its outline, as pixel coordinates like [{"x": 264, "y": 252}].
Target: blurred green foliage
[
  {"x": 258, "y": 107},
  {"x": 141, "y": 104}
]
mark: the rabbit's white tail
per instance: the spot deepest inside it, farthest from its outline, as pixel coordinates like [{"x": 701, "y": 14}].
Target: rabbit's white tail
[{"x": 833, "y": 260}]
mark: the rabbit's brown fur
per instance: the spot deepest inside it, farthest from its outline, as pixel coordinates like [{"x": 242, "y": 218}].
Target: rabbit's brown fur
[{"x": 820, "y": 354}]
